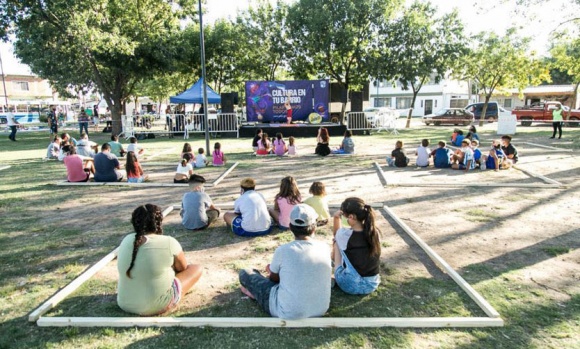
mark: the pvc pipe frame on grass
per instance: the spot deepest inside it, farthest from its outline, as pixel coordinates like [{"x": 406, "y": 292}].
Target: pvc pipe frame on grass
[{"x": 493, "y": 319}]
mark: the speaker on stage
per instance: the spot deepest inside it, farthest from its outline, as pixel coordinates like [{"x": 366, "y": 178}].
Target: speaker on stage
[
  {"x": 227, "y": 102},
  {"x": 356, "y": 101}
]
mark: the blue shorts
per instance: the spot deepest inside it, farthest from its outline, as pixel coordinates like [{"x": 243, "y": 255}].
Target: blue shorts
[
  {"x": 135, "y": 180},
  {"x": 349, "y": 280},
  {"x": 238, "y": 230}
]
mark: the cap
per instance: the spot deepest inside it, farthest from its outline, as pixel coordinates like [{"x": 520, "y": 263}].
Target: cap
[
  {"x": 248, "y": 183},
  {"x": 303, "y": 216},
  {"x": 466, "y": 141}
]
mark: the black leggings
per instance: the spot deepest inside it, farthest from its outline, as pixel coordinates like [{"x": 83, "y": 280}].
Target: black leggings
[{"x": 557, "y": 125}]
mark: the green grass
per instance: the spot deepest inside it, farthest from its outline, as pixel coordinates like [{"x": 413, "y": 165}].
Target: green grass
[{"x": 49, "y": 235}]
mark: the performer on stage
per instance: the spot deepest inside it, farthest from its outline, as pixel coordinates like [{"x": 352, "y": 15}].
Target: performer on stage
[{"x": 288, "y": 110}]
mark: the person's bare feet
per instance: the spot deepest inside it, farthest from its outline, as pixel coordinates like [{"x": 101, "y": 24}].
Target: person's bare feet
[{"x": 246, "y": 292}]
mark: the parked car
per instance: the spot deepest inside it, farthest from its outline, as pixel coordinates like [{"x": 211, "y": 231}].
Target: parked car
[
  {"x": 542, "y": 112},
  {"x": 491, "y": 114},
  {"x": 382, "y": 116},
  {"x": 450, "y": 116}
]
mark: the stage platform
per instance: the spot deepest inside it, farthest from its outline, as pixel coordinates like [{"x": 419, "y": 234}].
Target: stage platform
[{"x": 296, "y": 130}]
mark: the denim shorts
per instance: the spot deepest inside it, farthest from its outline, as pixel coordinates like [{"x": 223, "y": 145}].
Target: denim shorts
[
  {"x": 135, "y": 180},
  {"x": 238, "y": 230},
  {"x": 349, "y": 280}
]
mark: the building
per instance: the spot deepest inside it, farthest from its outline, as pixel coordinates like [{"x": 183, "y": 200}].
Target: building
[
  {"x": 565, "y": 94},
  {"x": 24, "y": 90},
  {"x": 433, "y": 96}
]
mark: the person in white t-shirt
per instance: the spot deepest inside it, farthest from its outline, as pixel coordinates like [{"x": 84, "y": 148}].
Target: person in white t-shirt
[
  {"x": 184, "y": 170},
  {"x": 423, "y": 154},
  {"x": 134, "y": 147},
  {"x": 13, "y": 124},
  {"x": 250, "y": 216},
  {"x": 200, "y": 159}
]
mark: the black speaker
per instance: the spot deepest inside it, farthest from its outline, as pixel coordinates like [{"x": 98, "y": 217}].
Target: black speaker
[
  {"x": 338, "y": 93},
  {"x": 236, "y": 98},
  {"x": 227, "y": 102},
  {"x": 356, "y": 101}
]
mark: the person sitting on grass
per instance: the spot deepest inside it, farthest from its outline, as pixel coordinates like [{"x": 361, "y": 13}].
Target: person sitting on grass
[
  {"x": 423, "y": 154},
  {"x": 187, "y": 150},
  {"x": 65, "y": 137},
  {"x": 457, "y": 137},
  {"x": 319, "y": 202},
  {"x": 299, "y": 276},
  {"x": 347, "y": 145},
  {"x": 200, "y": 159},
  {"x": 441, "y": 156},
  {"x": 477, "y": 154},
  {"x": 472, "y": 134},
  {"x": 256, "y": 139},
  {"x": 284, "y": 202},
  {"x": 250, "y": 216},
  {"x": 357, "y": 250},
  {"x": 280, "y": 147},
  {"x": 292, "y": 150},
  {"x": 53, "y": 148},
  {"x": 134, "y": 147},
  {"x": 511, "y": 153},
  {"x": 197, "y": 209},
  {"x": 398, "y": 157},
  {"x": 116, "y": 146},
  {"x": 218, "y": 158},
  {"x": 134, "y": 169},
  {"x": 463, "y": 160},
  {"x": 153, "y": 272},
  {"x": 495, "y": 157},
  {"x": 264, "y": 145},
  {"x": 77, "y": 169},
  {"x": 107, "y": 167},
  {"x": 322, "y": 142},
  {"x": 85, "y": 147},
  {"x": 184, "y": 170}
]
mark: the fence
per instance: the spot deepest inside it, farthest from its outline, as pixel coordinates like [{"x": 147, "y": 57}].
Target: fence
[
  {"x": 357, "y": 121},
  {"x": 179, "y": 124}
]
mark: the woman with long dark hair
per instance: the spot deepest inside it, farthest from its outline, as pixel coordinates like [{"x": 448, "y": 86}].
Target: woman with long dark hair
[{"x": 153, "y": 271}]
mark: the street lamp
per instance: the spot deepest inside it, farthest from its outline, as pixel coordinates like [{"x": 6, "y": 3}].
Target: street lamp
[{"x": 203, "y": 83}]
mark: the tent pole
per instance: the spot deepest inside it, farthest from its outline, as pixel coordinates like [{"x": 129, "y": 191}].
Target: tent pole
[{"x": 204, "y": 82}]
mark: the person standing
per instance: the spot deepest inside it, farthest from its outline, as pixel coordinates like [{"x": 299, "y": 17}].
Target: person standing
[
  {"x": 84, "y": 122},
  {"x": 52, "y": 122},
  {"x": 13, "y": 124},
  {"x": 557, "y": 121},
  {"x": 96, "y": 119}
]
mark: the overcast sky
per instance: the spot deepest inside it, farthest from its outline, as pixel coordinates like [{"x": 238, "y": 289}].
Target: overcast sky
[{"x": 477, "y": 15}]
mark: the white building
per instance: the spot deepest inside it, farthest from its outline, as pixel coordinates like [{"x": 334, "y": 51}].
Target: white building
[{"x": 433, "y": 96}]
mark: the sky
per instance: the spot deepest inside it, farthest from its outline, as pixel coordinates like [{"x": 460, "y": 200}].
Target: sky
[{"x": 538, "y": 22}]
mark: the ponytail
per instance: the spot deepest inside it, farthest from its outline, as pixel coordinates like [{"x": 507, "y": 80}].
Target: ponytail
[
  {"x": 364, "y": 213},
  {"x": 146, "y": 219}
]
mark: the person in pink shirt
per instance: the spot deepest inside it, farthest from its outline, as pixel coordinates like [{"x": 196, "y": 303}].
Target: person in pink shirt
[
  {"x": 280, "y": 147},
  {"x": 288, "y": 197},
  {"x": 77, "y": 168},
  {"x": 218, "y": 157}
]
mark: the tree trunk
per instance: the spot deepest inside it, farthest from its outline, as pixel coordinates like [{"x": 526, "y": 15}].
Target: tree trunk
[
  {"x": 484, "y": 109},
  {"x": 415, "y": 93}
]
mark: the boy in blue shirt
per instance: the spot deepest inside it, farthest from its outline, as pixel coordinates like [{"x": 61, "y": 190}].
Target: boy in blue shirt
[{"x": 441, "y": 156}]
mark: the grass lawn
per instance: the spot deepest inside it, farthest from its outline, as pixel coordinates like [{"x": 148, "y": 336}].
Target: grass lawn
[{"x": 518, "y": 249}]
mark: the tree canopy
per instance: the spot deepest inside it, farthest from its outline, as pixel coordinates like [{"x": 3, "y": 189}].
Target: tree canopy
[{"x": 498, "y": 63}]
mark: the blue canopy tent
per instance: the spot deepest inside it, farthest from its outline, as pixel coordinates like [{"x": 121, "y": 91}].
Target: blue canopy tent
[{"x": 194, "y": 95}]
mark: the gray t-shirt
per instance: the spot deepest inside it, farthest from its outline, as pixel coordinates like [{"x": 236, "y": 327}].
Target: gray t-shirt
[
  {"x": 193, "y": 206},
  {"x": 105, "y": 168},
  {"x": 348, "y": 145},
  {"x": 304, "y": 288}
]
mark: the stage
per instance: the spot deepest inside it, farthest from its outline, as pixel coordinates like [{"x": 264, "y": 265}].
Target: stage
[{"x": 296, "y": 130}]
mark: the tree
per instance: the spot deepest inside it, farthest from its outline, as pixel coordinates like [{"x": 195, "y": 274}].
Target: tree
[
  {"x": 566, "y": 55},
  {"x": 336, "y": 39},
  {"x": 421, "y": 47},
  {"x": 499, "y": 63},
  {"x": 113, "y": 44},
  {"x": 262, "y": 33},
  {"x": 224, "y": 54}
]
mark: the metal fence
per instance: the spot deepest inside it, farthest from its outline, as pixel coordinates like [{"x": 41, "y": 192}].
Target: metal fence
[
  {"x": 357, "y": 121},
  {"x": 179, "y": 124}
]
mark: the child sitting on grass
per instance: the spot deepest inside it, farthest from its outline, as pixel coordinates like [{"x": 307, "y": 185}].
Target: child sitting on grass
[
  {"x": 264, "y": 145},
  {"x": 187, "y": 150},
  {"x": 423, "y": 154},
  {"x": 441, "y": 156},
  {"x": 197, "y": 209},
  {"x": 357, "y": 250},
  {"x": 284, "y": 202},
  {"x": 398, "y": 157},
  {"x": 218, "y": 157},
  {"x": 347, "y": 145},
  {"x": 463, "y": 159},
  {"x": 319, "y": 202},
  {"x": 292, "y": 150},
  {"x": 184, "y": 170},
  {"x": 200, "y": 159},
  {"x": 280, "y": 147},
  {"x": 133, "y": 168},
  {"x": 134, "y": 147}
]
